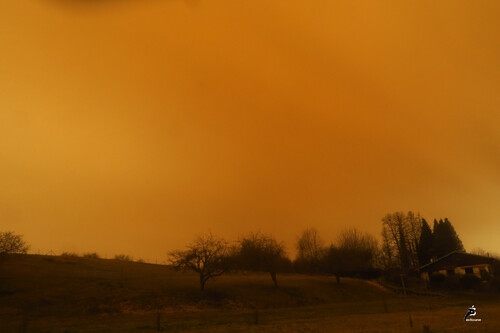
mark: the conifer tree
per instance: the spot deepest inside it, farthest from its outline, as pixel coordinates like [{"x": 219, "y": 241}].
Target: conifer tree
[
  {"x": 445, "y": 238},
  {"x": 425, "y": 243}
]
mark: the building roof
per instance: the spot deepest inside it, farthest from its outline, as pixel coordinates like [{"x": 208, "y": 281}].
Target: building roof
[{"x": 457, "y": 259}]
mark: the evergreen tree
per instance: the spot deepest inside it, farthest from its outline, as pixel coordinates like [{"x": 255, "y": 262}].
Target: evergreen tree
[
  {"x": 435, "y": 226},
  {"x": 425, "y": 243},
  {"x": 445, "y": 238},
  {"x": 453, "y": 240}
]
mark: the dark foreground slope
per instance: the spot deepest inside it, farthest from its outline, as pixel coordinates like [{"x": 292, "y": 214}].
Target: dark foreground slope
[{"x": 72, "y": 294}]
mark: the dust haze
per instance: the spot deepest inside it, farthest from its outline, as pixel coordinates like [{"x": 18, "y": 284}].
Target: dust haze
[{"x": 131, "y": 127}]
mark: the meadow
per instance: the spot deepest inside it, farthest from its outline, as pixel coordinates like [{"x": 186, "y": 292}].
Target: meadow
[{"x": 74, "y": 294}]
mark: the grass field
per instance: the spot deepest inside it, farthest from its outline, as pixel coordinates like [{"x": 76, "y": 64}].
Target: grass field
[{"x": 72, "y": 294}]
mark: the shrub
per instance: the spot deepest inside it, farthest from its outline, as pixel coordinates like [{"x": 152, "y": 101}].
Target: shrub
[
  {"x": 69, "y": 254},
  {"x": 12, "y": 243},
  {"x": 92, "y": 255},
  {"x": 124, "y": 257}
]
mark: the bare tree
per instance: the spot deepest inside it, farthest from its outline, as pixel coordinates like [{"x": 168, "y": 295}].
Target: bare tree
[
  {"x": 395, "y": 225},
  {"x": 482, "y": 252},
  {"x": 12, "y": 243},
  {"x": 263, "y": 253},
  {"x": 206, "y": 256},
  {"x": 354, "y": 252},
  {"x": 414, "y": 227},
  {"x": 310, "y": 251},
  {"x": 387, "y": 250},
  {"x": 309, "y": 244},
  {"x": 401, "y": 233},
  {"x": 479, "y": 251}
]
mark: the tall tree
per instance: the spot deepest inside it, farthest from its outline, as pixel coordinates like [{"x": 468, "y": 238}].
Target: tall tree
[
  {"x": 413, "y": 228},
  {"x": 401, "y": 233},
  {"x": 425, "y": 243},
  {"x": 394, "y": 224},
  {"x": 310, "y": 250},
  {"x": 435, "y": 226},
  {"x": 445, "y": 239}
]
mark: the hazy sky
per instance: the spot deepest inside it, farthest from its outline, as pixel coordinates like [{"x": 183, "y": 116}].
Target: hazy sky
[{"x": 132, "y": 126}]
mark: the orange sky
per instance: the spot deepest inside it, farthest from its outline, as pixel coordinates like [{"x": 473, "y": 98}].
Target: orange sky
[{"x": 132, "y": 126}]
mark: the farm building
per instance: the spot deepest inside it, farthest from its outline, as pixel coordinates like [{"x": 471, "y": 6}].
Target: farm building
[{"x": 460, "y": 263}]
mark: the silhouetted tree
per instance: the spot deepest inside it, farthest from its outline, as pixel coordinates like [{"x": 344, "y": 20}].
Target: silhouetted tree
[
  {"x": 435, "y": 226},
  {"x": 413, "y": 225},
  {"x": 12, "y": 243},
  {"x": 353, "y": 253},
  {"x": 335, "y": 261},
  {"x": 445, "y": 238},
  {"x": 123, "y": 257},
  {"x": 388, "y": 251},
  {"x": 401, "y": 233},
  {"x": 480, "y": 252},
  {"x": 425, "y": 243},
  {"x": 259, "y": 252},
  {"x": 207, "y": 256},
  {"x": 395, "y": 229},
  {"x": 310, "y": 250}
]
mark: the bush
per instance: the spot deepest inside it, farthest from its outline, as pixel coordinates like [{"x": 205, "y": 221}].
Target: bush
[
  {"x": 69, "y": 254},
  {"x": 92, "y": 255},
  {"x": 12, "y": 243},
  {"x": 123, "y": 257},
  {"x": 469, "y": 281}
]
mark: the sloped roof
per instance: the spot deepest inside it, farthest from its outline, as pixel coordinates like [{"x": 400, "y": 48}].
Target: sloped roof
[{"x": 456, "y": 259}]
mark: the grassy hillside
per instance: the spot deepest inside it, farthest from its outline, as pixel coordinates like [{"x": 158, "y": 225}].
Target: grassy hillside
[
  {"x": 86, "y": 285},
  {"x": 72, "y": 294}
]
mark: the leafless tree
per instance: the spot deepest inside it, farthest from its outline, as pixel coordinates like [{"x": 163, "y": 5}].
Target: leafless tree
[
  {"x": 388, "y": 250},
  {"x": 123, "y": 257},
  {"x": 479, "y": 251},
  {"x": 401, "y": 234},
  {"x": 310, "y": 251},
  {"x": 413, "y": 228},
  {"x": 353, "y": 252},
  {"x": 263, "y": 253},
  {"x": 12, "y": 243},
  {"x": 309, "y": 244},
  {"x": 395, "y": 226},
  {"x": 207, "y": 256},
  {"x": 482, "y": 252}
]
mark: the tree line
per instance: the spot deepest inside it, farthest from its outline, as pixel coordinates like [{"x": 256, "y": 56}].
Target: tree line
[{"x": 407, "y": 243}]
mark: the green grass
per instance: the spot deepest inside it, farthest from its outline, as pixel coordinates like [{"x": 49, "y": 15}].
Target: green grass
[{"x": 73, "y": 294}]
